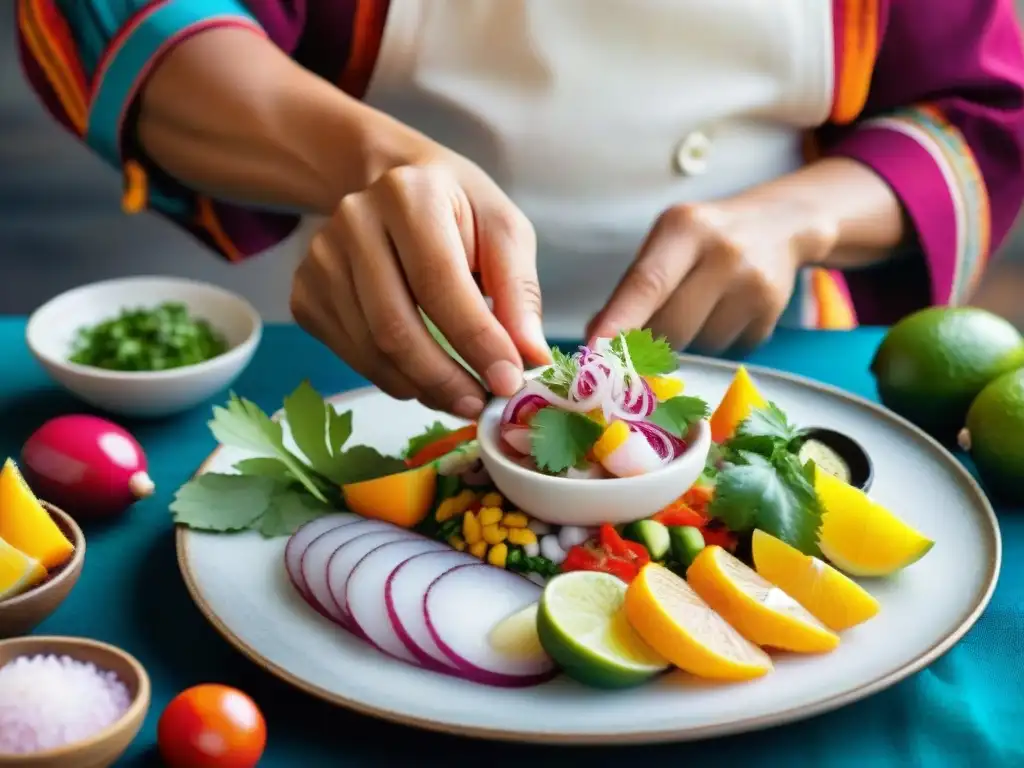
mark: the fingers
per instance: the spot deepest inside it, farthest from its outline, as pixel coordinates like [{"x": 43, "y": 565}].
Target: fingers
[
  {"x": 686, "y": 312},
  {"x": 727, "y": 321},
  {"x": 391, "y": 314},
  {"x": 665, "y": 259},
  {"x": 422, "y": 210},
  {"x": 507, "y": 256},
  {"x": 324, "y": 304}
]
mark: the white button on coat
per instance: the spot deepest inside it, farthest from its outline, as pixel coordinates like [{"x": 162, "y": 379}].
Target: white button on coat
[{"x": 692, "y": 154}]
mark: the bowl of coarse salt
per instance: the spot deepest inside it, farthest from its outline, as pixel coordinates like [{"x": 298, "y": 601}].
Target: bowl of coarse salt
[{"x": 68, "y": 702}]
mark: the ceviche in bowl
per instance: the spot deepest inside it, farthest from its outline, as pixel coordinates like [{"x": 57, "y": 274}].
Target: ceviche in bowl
[{"x": 602, "y": 435}]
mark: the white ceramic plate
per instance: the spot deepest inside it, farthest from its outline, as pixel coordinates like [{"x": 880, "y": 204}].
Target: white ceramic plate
[{"x": 239, "y": 583}]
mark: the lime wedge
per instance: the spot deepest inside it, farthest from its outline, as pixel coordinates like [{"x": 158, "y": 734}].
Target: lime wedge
[{"x": 583, "y": 627}]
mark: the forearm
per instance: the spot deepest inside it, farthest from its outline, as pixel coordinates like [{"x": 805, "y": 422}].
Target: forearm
[{"x": 228, "y": 113}]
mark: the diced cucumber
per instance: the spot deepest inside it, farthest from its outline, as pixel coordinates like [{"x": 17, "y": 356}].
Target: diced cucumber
[
  {"x": 686, "y": 542},
  {"x": 652, "y": 534}
]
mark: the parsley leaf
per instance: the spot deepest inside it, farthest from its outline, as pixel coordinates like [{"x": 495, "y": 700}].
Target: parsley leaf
[
  {"x": 446, "y": 345},
  {"x": 650, "y": 356},
  {"x": 560, "y": 439},
  {"x": 287, "y": 511},
  {"x": 242, "y": 424},
  {"x": 263, "y": 467},
  {"x": 431, "y": 434},
  {"x": 560, "y": 374},
  {"x": 216, "y": 502},
  {"x": 317, "y": 429},
  {"x": 765, "y": 429},
  {"x": 676, "y": 415},
  {"x": 360, "y": 463},
  {"x": 772, "y": 494}
]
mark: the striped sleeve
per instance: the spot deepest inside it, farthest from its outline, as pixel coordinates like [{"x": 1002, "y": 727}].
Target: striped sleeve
[
  {"x": 88, "y": 59},
  {"x": 930, "y": 95}
]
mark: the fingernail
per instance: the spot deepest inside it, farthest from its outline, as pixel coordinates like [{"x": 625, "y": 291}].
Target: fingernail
[
  {"x": 535, "y": 333},
  {"x": 503, "y": 378},
  {"x": 468, "y": 406}
]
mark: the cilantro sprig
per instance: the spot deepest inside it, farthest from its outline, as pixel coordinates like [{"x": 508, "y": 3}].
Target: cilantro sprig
[
  {"x": 561, "y": 439},
  {"x": 277, "y": 490},
  {"x": 650, "y": 356},
  {"x": 760, "y": 482}
]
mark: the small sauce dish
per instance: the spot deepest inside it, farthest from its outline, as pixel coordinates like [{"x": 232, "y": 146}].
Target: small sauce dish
[
  {"x": 840, "y": 455},
  {"x": 23, "y": 613},
  {"x": 586, "y": 502}
]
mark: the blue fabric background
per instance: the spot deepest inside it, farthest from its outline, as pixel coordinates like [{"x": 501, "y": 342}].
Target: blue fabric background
[{"x": 961, "y": 711}]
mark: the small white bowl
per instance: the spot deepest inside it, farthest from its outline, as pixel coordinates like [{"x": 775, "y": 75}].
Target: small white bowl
[
  {"x": 582, "y": 502},
  {"x": 52, "y": 329}
]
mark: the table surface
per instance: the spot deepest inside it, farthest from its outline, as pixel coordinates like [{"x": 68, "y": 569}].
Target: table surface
[{"x": 962, "y": 710}]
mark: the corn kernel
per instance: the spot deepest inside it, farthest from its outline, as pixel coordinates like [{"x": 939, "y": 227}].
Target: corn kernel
[
  {"x": 492, "y": 499},
  {"x": 471, "y": 528},
  {"x": 515, "y": 520},
  {"x": 489, "y": 515},
  {"x": 457, "y": 542},
  {"x": 478, "y": 549},
  {"x": 498, "y": 555},
  {"x": 521, "y": 536},
  {"x": 494, "y": 534},
  {"x": 455, "y": 505}
]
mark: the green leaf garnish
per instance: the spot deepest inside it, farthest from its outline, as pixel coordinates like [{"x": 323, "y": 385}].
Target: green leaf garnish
[
  {"x": 289, "y": 510},
  {"x": 431, "y": 434},
  {"x": 318, "y": 430},
  {"x": 773, "y": 494},
  {"x": 764, "y": 430},
  {"x": 360, "y": 463},
  {"x": 561, "y": 439},
  {"x": 216, "y": 502},
  {"x": 263, "y": 467},
  {"x": 242, "y": 424},
  {"x": 678, "y": 414},
  {"x": 558, "y": 377},
  {"x": 650, "y": 356}
]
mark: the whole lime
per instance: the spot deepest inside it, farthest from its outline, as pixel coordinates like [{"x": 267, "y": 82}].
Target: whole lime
[
  {"x": 995, "y": 436},
  {"x": 933, "y": 363}
]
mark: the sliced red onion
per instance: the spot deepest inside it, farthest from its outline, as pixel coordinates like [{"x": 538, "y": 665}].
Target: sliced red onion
[
  {"x": 516, "y": 437},
  {"x": 666, "y": 444},
  {"x": 520, "y": 402}
]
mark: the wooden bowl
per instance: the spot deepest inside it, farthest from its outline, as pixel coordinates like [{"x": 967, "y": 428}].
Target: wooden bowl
[
  {"x": 21, "y": 614},
  {"x": 105, "y": 747}
]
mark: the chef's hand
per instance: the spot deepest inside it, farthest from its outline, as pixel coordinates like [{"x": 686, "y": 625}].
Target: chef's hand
[
  {"x": 717, "y": 276},
  {"x": 417, "y": 236}
]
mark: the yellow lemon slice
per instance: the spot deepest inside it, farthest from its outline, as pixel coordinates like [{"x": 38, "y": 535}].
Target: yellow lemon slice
[
  {"x": 860, "y": 536},
  {"x": 672, "y": 619},
  {"x": 18, "y": 571},
  {"x": 835, "y": 600},
  {"x": 762, "y": 612},
  {"x": 26, "y": 525},
  {"x": 611, "y": 439}
]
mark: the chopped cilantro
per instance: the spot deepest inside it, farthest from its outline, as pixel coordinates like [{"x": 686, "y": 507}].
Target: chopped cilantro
[
  {"x": 559, "y": 375},
  {"x": 764, "y": 430}
]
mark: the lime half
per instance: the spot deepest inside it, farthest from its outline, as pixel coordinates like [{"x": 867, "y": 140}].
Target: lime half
[{"x": 582, "y": 625}]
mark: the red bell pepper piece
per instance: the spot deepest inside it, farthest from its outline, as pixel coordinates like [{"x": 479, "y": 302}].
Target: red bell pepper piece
[
  {"x": 441, "y": 446},
  {"x": 678, "y": 513},
  {"x": 611, "y": 554}
]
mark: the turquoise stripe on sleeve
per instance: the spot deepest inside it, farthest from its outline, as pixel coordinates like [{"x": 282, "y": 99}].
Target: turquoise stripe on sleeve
[{"x": 123, "y": 66}]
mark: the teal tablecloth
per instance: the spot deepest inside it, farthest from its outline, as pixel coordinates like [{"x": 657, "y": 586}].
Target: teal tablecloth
[{"x": 961, "y": 711}]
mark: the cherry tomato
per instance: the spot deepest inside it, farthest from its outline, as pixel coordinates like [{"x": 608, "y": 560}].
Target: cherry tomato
[{"x": 211, "y": 726}]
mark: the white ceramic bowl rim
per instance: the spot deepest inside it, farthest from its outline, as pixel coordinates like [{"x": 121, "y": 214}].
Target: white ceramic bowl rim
[
  {"x": 232, "y": 353},
  {"x": 489, "y": 443}
]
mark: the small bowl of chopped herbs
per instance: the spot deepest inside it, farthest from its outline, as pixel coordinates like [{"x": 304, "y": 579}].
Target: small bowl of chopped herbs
[{"x": 145, "y": 346}]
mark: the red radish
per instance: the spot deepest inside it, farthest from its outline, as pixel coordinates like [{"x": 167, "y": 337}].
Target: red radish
[
  {"x": 464, "y": 605},
  {"x": 404, "y": 594},
  {"x": 88, "y": 466},
  {"x": 364, "y": 593},
  {"x": 318, "y": 554},
  {"x": 346, "y": 558},
  {"x": 302, "y": 538}
]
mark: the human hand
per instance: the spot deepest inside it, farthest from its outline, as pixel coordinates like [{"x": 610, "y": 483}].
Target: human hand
[
  {"x": 716, "y": 276},
  {"x": 415, "y": 237}
]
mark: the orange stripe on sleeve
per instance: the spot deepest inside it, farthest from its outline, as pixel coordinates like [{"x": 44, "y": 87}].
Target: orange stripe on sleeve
[
  {"x": 858, "y": 20},
  {"x": 367, "y": 34},
  {"x": 50, "y": 42}
]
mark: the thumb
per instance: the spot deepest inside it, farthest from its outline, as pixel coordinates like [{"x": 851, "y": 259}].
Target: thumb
[{"x": 507, "y": 259}]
